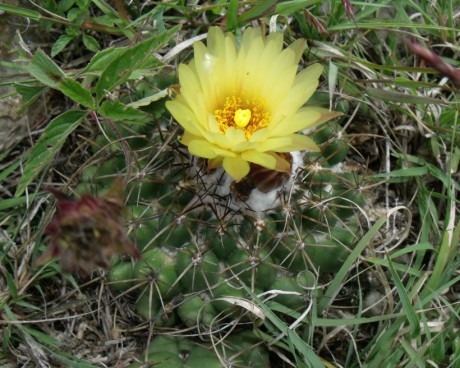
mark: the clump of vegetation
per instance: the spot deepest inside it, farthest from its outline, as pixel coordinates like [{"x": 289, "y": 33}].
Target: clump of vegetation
[{"x": 348, "y": 259}]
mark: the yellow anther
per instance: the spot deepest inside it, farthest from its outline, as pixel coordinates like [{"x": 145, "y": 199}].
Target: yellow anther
[
  {"x": 242, "y": 118},
  {"x": 246, "y": 114}
]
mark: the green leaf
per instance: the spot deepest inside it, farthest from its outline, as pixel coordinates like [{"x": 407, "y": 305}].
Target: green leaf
[
  {"x": 69, "y": 360},
  {"x": 386, "y": 95},
  {"x": 91, "y": 43},
  {"x": 396, "y": 266},
  {"x": 42, "y": 338},
  {"x": 292, "y": 337},
  {"x": 102, "y": 59},
  {"x": 74, "y": 90},
  {"x": 119, "y": 111},
  {"x": 408, "y": 172},
  {"x": 20, "y": 11},
  {"x": 289, "y": 7},
  {"x": 12, "y": 202},
  {"x": 409, "y": 311},
  {"x": 29, "y": 93},
  {"x": 47, "y": 146},
  {"x": 257, "y": 11},
  {"x": 120, "y": 68},
  {"x": 149, "y": 99},
  {"x": 336, "y": 283},
  {"x": 60, "y": 44},
  {"x": 9, "y": 169},
  {"x": 232, "y": 15},
  {"x": 45, "y": 70}
]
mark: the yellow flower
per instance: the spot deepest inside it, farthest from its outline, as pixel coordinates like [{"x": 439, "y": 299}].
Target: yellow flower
[{"x": 241, "y": 105}]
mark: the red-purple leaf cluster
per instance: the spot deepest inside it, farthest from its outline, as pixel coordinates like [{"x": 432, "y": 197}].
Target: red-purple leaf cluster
[
  {"x": 435, "y": 61},
  {"x": 86, "y": 233}
]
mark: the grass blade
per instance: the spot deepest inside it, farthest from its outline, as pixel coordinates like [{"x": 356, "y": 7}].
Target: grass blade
[
  {"x": 27, "y": 13},
  {"x": 334, "y": 287}
]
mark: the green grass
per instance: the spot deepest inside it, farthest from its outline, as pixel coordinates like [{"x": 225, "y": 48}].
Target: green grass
[{"x": 96, "y": 110}]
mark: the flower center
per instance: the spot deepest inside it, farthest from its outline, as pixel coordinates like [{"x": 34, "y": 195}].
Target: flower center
[
  {"x": 242, "y": 118},
  {"x": 249, "y": 115}
]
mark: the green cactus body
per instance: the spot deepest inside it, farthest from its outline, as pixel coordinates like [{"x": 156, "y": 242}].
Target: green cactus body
[
  {"x": 196, "y": 310},
  {"x": 121, "y": 276},
  {"x": 196, "y": 270},
  {"x": 158, "y": 267},
  {"x": 257, "y": 267},
  {"x": 289, "y": 284}
]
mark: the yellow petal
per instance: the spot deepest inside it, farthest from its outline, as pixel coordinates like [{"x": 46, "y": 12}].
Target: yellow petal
[
  {"x": 300, "y": 121},
  {"x": 277, "y": 79},
  {"x": 259, "y": 135},
  {"x": 187, "y": 137},
  {"x": 201, "y": 149},
  {"x": 235, "y": 136},
  {"x": 248, "y": 62},
  {"x": 282, "y": 164},
  {"x": 271, "y": 61},
  {"x": 188, "y": 79},
  {"x": 212, "y": 124},
  {"x": 206, "y": 149},
  {"x": 191, "y": 92},
  {"x": 260, "y": 158},
  {"x": 326, "y": 115},
  {"x": 289, "y": 143},
  {"x": 305, "y": 84},
  {"x": 236, "y": 167},
  {"x": 298, "y": 46},
  {"x": 215, "y": 41},
  {"x": 184, "y": 116},
  {"x": 214, "y": 163},
  {"x": 205, "y": 64}
]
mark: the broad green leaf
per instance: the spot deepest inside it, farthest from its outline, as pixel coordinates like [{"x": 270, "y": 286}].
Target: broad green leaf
[
  {"x": 149, "y": 99},
  {"x": 47, "y": 146},
  {"x": 45, "y": 70},
  {"x": 119, "y": 111},
  {"x": 103, "y": 58},
  {"x": 91, "y": 43},
  {"x": 27, "y": 13},
  {"x": 75, "y": 91},
  {"x": 75, "y": 16},
  {"x": 120, "y": 68},
  {"x": 29, "y": 93},
  {"x": 83, "y": 4},
  {"x": 60, "y": 44}
]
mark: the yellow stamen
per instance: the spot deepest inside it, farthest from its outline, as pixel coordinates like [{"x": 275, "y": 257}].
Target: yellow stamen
[
  {"x": 242, "y": 118},
  {"x": 249, "y": 115}
]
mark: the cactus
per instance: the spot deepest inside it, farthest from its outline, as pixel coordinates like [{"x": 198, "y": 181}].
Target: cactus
[{"x": 201, "y": 239}]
